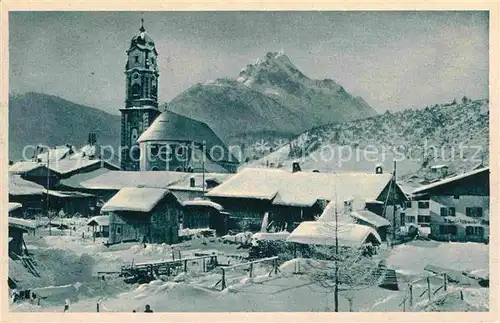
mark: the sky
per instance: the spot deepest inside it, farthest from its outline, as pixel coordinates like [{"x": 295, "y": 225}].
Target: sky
[{"x": 394, "y": 60}]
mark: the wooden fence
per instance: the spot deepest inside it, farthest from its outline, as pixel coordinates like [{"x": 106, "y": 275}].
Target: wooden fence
[{"x": 250, "y": 264}]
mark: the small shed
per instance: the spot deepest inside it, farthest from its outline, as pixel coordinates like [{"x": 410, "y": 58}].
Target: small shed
[
  {"x": 18, "y": 227},
  {"x": 201, "y": 213},
  {"x": 143, "y": 214},
  {"x": 378, "y": 223},
  {"x": 323, "y": 233},
  {"x": 100, "y": 225}
]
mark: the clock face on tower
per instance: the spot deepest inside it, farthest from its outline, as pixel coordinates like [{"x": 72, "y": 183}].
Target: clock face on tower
[{"x": 133, "y": 136}]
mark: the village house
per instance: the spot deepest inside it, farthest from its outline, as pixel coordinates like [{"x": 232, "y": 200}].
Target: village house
[
  {"x": 201, "y": 214},
  {"x": 283, "y": 199},
  {"x": 17, "y": 228},
  {"x": 105, "y": 183},
  {"x": 144, "y": 215},
  {"x": 30, "y": 195},
  {"x": 53, "y": 165},
  {"x": 458, "y": 206},
  {"x": 100, "y": 226}
]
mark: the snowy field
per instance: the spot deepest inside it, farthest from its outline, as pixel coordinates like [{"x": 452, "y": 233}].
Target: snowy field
[{"x": 71, "y": 263}]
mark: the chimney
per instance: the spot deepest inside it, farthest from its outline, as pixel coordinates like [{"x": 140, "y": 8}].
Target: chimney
[
  {"x": 379, "y": 169},
  {"x": 347, "y": 206},
  {"x": 192, "y": 182},
  {"x": 295, "y": 167}
]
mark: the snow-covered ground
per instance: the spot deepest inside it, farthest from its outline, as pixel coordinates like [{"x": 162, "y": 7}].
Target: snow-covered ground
[{"x": 195, "y": 291}]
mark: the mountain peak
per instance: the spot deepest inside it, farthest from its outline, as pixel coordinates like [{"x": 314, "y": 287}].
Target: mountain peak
[{"x": 275, "y": 66}]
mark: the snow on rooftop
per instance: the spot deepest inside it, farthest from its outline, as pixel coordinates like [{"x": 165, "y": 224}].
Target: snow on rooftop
[
  {"x": 75, "y": 180},
  {"x": 450, "y": 180},
  {"x": 68, "y": 194},
  {"x": 69, "y": 165},
  {"x": 370, "y": 217},
  {"x": 271, "y": 236},
  {"x": 101, "y": 220},
  {"x": 115, "y": 180},
  {"x": 23, "y": 167},
  {"x": 328, "y": 213},
  {"x": 135, "y": 199},
  {"x": 214, "y": 205},
  {"x": 19, "y": 186},
  {"x": 14, "y": 206},
  {"x": 301, "y": 188},
  {"x": 185, "y": 182},
  {"x": 323, "y": 233},
  {"x": 21, "y": 223},
  {"x": 55, "y": 154},
  {"x": 439, "y": 166}
]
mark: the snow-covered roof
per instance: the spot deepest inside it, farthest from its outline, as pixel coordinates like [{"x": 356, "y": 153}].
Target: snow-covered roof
[
  {"x": 68, "y": 194},
  {"x": 101, "y": 220},
  {"x": 323, "y": 233},
  {"x": 137, "y": 199},
  {"x": 175, "y": 127},
  {"x": 258, "y": 183},
  {"x": 370, "y": 217},
  {"x": 185, "y": 182},
  {"x": 452, "y": 179},
  {"x": 21, "y": 223},
  {"x": 439, "y": 166},
  {"x": 328, "y": 213},
  {"x": 14, "y": 206},
  {"x": 200, "y": 202},
  {"x": 24, "y": 166},
  {"x": 271, "y": 236},
  {"x": 301, "y": 189},
  {"x": 56, "y": 153},
  {"x": 69, "y": 165},
  {"x": 115, "y": 180},
  {"x": 19, "y": 186},
  {"x": 76, "y": 180}
]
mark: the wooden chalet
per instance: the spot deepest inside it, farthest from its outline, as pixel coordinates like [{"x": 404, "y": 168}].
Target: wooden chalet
[
  {"x": 459, "y": 206},
  {"x": 144, "y": 215}
]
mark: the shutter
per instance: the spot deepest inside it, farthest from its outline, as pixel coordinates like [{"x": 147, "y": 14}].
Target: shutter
[
  {"x": 452, "y": 211},
  {"x": 444, "y": 211}
]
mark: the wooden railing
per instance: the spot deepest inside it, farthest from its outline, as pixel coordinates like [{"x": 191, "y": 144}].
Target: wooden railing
[{"x": 250, "y": 264}]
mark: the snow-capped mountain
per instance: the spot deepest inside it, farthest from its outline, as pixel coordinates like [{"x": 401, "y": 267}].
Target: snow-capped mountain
[
  {"x": 272, "y": 95},
  {"x": 452, "y": 134}
]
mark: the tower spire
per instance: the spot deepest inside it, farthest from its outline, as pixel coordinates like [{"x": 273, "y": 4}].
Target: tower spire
[{"x": 142, "y": 29}]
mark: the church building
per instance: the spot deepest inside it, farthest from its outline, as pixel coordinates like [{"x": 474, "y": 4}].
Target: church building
[{"x": 152, "y": 140}]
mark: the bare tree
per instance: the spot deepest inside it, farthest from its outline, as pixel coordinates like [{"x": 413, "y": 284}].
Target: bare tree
[{"x": 342, "y": 267}]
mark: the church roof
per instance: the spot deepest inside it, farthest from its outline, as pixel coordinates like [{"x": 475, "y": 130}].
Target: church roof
[
  {"x": 142, "y": 40},
  {"x": 175, "y": 127}
]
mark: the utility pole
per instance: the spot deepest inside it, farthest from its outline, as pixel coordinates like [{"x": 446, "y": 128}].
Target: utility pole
[
  {"x": 47, "y": 191},
  {"x": 203, "y": 166},
  {"x": 336, "y": 291},
  {"x": 394, "y": 205}
]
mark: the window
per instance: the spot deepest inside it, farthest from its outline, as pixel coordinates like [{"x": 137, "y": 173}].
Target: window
[
  {"x": 408, "y": 204},
  {"x": 447, "y": 211},
  {"x": 153, "y": 150},
  {"x": 118, "y": 230},
  {"x": 403, "y": 218},
  {"x": 423, "y": 205},
  {"x": 474, "y": 212},
  {"x": 136, "y": 57},
  {"x": 456, "y": 197},
  {"x": 424, "y": 219},
  {"x": 410, "y": 219},
  {"x": 474, "y": 231},
  {"x": 448, "y": 229}
]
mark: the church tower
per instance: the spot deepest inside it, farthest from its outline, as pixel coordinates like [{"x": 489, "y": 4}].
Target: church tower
[{"x": 141, "y": 96}]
